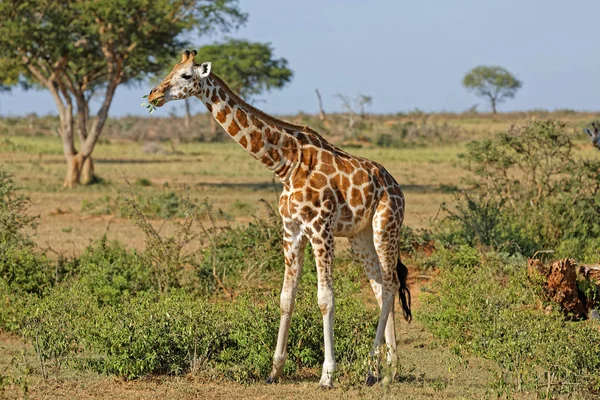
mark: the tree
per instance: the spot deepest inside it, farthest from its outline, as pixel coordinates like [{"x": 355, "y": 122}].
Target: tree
[
  {"x": 79, "y": 48},
  {"x": 496, "y": 83},
  {"x": 249, "y": 68}
]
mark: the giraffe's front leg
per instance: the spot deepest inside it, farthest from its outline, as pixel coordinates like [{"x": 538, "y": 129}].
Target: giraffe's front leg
[
  {"x": 294, "y": 243},
  {"x": 322, "y": 242}
]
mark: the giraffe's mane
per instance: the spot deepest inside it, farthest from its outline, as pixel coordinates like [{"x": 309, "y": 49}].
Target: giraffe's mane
[{"x": 261, "y": 114}]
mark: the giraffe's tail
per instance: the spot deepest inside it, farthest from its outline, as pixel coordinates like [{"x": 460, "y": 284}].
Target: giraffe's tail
[{"x": 402, "y": 272}]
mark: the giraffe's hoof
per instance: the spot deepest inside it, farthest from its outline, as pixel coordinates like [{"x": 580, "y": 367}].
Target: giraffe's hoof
[
  {"x": 324, "y": 386},
  {"x": 271, "y": 380},
  {"x": 371, "y": 380}
]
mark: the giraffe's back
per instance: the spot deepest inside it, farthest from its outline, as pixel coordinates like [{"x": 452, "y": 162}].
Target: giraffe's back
[{"x": 330, "y": 185}]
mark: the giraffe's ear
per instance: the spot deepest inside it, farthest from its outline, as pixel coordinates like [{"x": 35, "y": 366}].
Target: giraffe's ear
[{"x": 204, "y": 69}]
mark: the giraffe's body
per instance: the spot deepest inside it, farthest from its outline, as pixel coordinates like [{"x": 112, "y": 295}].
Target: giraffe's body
[{"x": 327, "y": 192}]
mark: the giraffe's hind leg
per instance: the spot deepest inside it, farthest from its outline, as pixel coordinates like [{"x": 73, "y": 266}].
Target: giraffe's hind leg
[
  {"x": 387, "y": 222},
  {"x": 363, "y": 246}
]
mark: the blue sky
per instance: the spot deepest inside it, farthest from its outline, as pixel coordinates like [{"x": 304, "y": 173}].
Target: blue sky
[{"x": 407, "y": 54}]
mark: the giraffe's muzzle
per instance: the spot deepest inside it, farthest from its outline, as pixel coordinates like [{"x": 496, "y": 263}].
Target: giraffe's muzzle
[{"x": 156, "y": 97}]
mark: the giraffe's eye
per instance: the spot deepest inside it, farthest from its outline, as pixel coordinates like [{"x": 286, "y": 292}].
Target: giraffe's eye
[{"x": 186, "y": 76}]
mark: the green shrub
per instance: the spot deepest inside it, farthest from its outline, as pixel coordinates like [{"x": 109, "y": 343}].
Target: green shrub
[
  {"x": 22, "y": 268},
  {"x": 108, "y": 271},
  {"x": 530, "y": 193},
  {"x": 493, "y": 311},
  {"x": 151, "y": 333}
]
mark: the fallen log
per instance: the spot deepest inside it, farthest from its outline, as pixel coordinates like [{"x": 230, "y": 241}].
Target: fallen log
[{"x": 559, "y": 282}]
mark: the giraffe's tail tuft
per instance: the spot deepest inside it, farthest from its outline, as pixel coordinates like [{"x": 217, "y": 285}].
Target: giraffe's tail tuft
[{"x": 404, "y": 292}]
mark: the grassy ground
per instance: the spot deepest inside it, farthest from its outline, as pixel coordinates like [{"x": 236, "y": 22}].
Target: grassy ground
[
  {"x": 427, "y": 371},
  {"x": 235, "y": 183},
  {"x": 221, "y": 172}
]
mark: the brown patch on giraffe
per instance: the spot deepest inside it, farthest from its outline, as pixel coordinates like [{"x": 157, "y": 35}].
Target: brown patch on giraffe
[
  {"x": 209, "y": 107},
  {"x": 222, "y": 94},
  {"x": 272, "y": 136},
  {"x": 345, "y": 185},
  {"x": 317, "y": 180},
  {"x": 312, "y": 196},
  {"x": 298, "y": 196},
  {"x": 207, "y": 92},
  {"x": 346, "y": 213},
  {"x": 309, "y": 157},
  {"x": 230, "y": 102},
  {"x": 355, "y": 197},
  {"x": 244, "y": 142},
  {"x": 343, "y": 165},
  {"x": 299, "y": 178},
  {"x": 233, "y": 128},
  {"x": 360, "y": 177},
  {"x": 284, "y": 169},
  {"x": 327, "y": 196},
  {"x": 326, "y": 157},
  {"x": 284, "y": 209},
  {"x": 325, "y": 168},
  {"x": 308, "y": 213},
  {"x": 317, "y": 241},
  {"x": 267, "y": 161},
  {"x": 221, "y": 116},
  {"x": 340, "y": 197},
  {"x": 214, "y": 98},
  {"x": 256, "y": 122},
  {"x": 256, "y": 141},
  {"x": 274, "y": 153},
  {"x": 318, "y": 224},
  {"x": 242, "y": 117}
]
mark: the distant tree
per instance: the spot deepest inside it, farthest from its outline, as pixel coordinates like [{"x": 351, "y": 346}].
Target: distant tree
[
  {"x": 249, "y": 68},
  {"x": 78, "y": 48},
  {"x": 495, "y": 83}
]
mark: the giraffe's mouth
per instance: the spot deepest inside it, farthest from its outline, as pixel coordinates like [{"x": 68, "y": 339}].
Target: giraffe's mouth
[{"x": 157, "y": 99}]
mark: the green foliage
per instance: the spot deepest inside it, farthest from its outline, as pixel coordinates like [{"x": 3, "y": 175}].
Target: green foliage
[
  {"x": 530, "y": 193},
  {"x": 493, "y": 82},
  {"x": 21, "y": 268},
  {"x": 108, "y": 272},
  {"x": 247, "y": 67},
  {"x": 491, "y": 310},
  {"x": 93, "y": 41}
]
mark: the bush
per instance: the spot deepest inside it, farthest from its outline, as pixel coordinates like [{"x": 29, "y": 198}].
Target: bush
[
  {"x": 21, "y": 269},
  {"x": 492, "y": 311},
  {"x": 108, "y": 271},
  {"x": 530, "y": 193},
  {"x": 177, "y": 332}
]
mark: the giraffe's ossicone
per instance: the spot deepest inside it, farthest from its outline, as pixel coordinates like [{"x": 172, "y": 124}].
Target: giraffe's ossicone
[{"x": 326, "y": 192}]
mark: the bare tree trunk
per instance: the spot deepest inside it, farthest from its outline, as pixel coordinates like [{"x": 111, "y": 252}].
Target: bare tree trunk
[
  {"x": 322, "y": 115},
  {"x": 493, "y": 100},
  {"x": 188, "y": 114}
]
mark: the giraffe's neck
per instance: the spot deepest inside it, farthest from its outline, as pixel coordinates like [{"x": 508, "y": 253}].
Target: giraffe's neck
[{"x": 274, "y": 146}]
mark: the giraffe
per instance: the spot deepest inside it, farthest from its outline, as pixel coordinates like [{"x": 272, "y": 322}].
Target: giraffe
[
  {"x": 326, "y": 192},
  {"x": 595, "y": 135}
]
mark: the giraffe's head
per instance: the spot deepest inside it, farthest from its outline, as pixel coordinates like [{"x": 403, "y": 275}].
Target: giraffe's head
[
  {"x": 595, "y": 134},
  {"x": 186, "y": 79}
]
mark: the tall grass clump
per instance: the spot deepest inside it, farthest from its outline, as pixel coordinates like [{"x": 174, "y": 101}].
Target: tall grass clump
[{"x": 530, "y": 191}]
